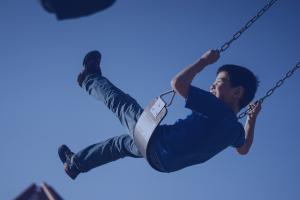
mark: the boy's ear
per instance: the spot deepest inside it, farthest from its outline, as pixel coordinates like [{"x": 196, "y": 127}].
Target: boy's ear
[{"x": 238, "y": 92}]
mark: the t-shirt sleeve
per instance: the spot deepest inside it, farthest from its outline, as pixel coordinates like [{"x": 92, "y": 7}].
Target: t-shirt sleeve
[{"x": 204, "y": 102}]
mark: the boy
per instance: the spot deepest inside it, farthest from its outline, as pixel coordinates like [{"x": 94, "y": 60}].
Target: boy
[{"x": 210, "y": 128}]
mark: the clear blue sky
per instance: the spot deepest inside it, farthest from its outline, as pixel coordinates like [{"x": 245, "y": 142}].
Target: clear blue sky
[{"x": 144, "y": 44}]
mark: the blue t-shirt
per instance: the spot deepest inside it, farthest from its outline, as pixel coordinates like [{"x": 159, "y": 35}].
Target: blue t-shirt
[{"x": 210, "y": 128}]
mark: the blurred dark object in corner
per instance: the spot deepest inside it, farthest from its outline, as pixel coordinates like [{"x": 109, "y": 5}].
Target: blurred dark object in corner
[{"x": 68, "y": 9}]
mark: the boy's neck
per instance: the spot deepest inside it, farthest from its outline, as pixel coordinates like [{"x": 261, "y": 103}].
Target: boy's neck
[{"x": 234, "y": 107}]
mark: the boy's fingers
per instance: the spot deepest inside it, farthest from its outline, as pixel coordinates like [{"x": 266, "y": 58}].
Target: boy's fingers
[{"x": 255, "y": 107}]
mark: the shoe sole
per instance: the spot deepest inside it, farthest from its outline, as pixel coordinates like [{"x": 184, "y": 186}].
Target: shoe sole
[
  {"x": 63, "y": 150},
  {"x": 92, "y": 55}
]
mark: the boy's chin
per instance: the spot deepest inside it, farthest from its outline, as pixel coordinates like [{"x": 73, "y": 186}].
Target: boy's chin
[{"x": 214, "y": 94}]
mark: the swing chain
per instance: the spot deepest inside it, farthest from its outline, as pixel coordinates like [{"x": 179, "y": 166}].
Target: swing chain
[
  {"x": 247, "y": 25},
  {"x": 172, "y": 97},
  {"x": 271, "y": 91}
]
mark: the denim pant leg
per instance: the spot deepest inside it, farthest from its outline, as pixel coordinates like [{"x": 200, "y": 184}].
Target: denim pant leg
[
  {"x": 126, "y": 109},
  {"x": 104, "y": 152}
]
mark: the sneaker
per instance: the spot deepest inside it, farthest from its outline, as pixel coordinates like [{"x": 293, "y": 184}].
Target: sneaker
[
  {"x": 91, "y": 65},
  {"x": 65, "y": 155}
]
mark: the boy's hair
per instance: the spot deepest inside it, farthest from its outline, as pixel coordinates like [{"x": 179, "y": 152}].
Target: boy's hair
[{"x": 241, "y": 76}]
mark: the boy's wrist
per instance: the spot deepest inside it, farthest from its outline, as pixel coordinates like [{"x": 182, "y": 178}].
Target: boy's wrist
[
  {"x": 251, "y": 120},
  {"x": 203, "y": 62},
  {"x": 210, "y": 57}
]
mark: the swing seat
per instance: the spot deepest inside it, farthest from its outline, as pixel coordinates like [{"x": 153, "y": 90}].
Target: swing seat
[{"x": 153, "y": 114}]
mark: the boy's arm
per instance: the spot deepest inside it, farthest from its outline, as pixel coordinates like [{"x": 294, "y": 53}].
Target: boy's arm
[
  {"x": 249, "y": 128},
  {"x": 181, "y": 82}
]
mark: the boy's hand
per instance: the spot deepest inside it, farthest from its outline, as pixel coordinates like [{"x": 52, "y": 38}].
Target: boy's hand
[
  {"x": 255, "y": 109},
  {"x": 211, "y": 56}
]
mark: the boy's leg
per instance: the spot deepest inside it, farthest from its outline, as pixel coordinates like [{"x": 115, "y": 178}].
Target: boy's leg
[
  {"x": 126, "y": 109},
  {"x": 122, "y": 105},
  {"x": 97, "y": 154}
]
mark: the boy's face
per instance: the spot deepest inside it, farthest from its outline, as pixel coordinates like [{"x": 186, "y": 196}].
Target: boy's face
[{"x": 222, "y": 89}]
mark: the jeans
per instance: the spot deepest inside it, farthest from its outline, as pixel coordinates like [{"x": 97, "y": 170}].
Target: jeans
[{"x": 126, "y": 109}]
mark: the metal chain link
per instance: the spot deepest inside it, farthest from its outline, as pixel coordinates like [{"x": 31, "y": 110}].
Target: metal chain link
[
  {"x": 247, "y": 25},
  {"x": 271, "y": 91},
  {"x": 172, "y": 97}
]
